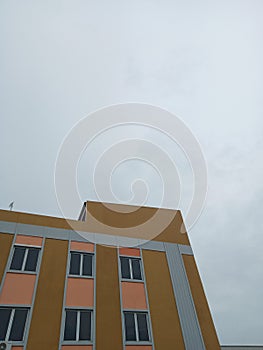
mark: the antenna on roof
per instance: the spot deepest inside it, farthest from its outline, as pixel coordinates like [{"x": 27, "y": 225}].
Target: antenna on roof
[{"x": 11, "y": 205}]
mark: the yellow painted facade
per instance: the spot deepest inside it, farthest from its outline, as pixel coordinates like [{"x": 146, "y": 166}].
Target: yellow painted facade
[{"x": 108, "y": 295}]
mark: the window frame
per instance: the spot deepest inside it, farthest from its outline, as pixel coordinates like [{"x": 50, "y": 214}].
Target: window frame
[
  {"x": 10, "y": 324},
  {"x": 27, "y": 248},
  {"x": 131, "y": 269},
  {"x": 77, "y": 340},
  {"x": 82, "y": 253},
  {"x": 137, "y": 341}
]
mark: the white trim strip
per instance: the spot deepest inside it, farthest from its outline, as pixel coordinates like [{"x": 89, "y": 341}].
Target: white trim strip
[
  {"x": 64, "y": 234},
  {"x": 25, "y": 260},
  {"x": 10, "y": 324}
]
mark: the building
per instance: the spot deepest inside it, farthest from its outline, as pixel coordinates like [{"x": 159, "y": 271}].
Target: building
[{"x": 62, "y": 291}]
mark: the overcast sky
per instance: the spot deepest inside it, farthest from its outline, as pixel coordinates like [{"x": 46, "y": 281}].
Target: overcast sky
[{"x": 202, "y": 61}]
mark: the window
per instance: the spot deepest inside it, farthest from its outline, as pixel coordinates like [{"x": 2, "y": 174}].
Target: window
[
  {"x": 131, "y": 268},
  {"x": 25, "y": 259},
  {"x": 80, "y": 264},
  {"x": 77, "y": 325},
  {"x": 12, "y": 323},
  {"x": 136, "y": 326}
]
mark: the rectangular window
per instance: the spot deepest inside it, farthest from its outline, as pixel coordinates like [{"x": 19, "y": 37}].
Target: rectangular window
[
  {"x": 25, "y": 259},
  {"x": 136, "y": 326},
  {"x": 77, "y": 325},
  {"x": 131, "y": 268},
  {"x": 12, "y": 325},
  {"x": 80, "y": 264}
]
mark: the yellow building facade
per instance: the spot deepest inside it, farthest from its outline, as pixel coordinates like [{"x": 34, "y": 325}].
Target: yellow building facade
[{"x": 62, "y": 289}]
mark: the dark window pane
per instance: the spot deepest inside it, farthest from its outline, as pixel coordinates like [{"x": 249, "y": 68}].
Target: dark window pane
[
  {"x": 18, "y": 258},
  {"x": 18, "y": 325},
  {"x": 31, "y": 262},
  {"x": 129, "y": 326},
  {"x": 87, "y": 265},
  {"x": 142, "y": 327},
  {"x": 85, "y": 325},
  {"x": 136, "y": 269},
  {"x": 70, "y": 325},
  {"x": 125, "y": 268},
  {"x": 4, "y": 320},
  {"x": 74, "y": 264}
]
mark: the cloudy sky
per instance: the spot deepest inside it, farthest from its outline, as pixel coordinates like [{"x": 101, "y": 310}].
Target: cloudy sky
[{"x": 202, "y": 61}]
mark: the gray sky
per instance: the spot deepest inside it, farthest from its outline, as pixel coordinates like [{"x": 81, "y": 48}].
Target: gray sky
[{"x": 201, "y": 60}]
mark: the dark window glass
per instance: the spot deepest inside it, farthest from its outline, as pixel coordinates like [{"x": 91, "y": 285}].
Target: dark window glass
[
  {"x": 87, "y": 265},
  {"x": 18, "y": 325},
  {"x": 74, "y": 264},
  {"x": 125, "y": 268},
  {"x": 4, "y": 321},
  {"x": 70, "y": 325},
  {"x": 130, "y": 333},
  {"x": 18, "y": 258},
  {"x": 85, "y": 325},
  {"x": 136, "y": 269},
  {"x": 31, "y": 262},
  {"x": 142, "y": 326}
]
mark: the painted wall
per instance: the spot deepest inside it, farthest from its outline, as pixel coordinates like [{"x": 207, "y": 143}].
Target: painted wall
[
  {"x": 44, "y": 330},
  {"x": 165, "y": 321},
  {"x": 201, "y": 305},
  {"x": 47, "y": 310}
]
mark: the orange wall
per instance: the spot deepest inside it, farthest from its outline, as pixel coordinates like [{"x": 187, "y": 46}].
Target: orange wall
[
  {"x": 133, "y": 296},
  {"x": 18, "y": 289},
  {"x": 80, "y": 292},
  {"x": 129, "y": 251},
  {"x": 29, "y": 240},
  {"x": 82, "y": 246}
]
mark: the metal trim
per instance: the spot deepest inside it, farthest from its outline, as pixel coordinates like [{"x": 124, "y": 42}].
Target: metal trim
[
  {"x": 185, "y": 249},
  {"x": 191, "y": 331},
  {"x": 65, "y": 234}
]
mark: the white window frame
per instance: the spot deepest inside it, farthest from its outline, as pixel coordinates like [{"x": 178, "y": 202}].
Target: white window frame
[
  {"x": 130, "y": 267},
  {"x": 27, "y": 247},
  {"x": 78, "y": 326},
  {"x": 11, "y": 319},
  {"x": 81, "y": 264},
  {"x": 135, "y": 316}
]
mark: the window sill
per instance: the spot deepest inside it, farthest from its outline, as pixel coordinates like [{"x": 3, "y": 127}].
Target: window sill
[
  {"x": 77, "y": 342},
  {"x": 131, "y": 280},
  {"x": 138, "y": 343},
  {"x": 13, "y": 342},
  {"x": 23, "y": 272},
  {"x": 79, "y": 276}
]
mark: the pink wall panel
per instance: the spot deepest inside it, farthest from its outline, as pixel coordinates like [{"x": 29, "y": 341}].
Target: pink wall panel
[
  {"x": 130, "y": 251},
  {"x": 18, "y": 289},
  {"x": 29, "y": 240},
  {"x": 76, "y": 347},
  {"x": 82, "y": 246},
  {"x": 80, "y": 292},
  {"x": 133, "y": 296}
]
